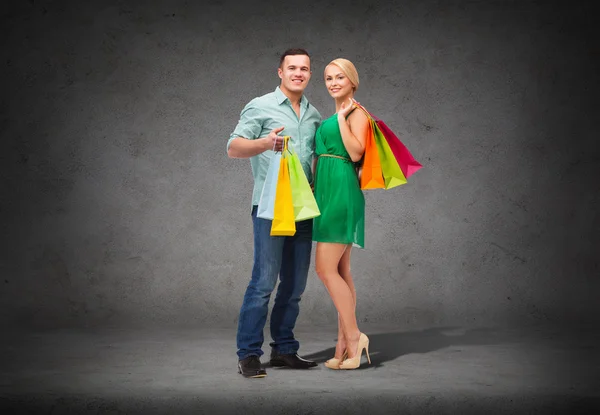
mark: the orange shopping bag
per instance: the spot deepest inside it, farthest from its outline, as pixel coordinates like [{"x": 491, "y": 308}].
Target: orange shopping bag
[
  {"x": 396, "y": 162},
  {"x": 371, "y": 176}
]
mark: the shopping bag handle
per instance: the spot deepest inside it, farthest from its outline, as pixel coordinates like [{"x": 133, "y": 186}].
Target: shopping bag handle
[
  {"x": 285, "y": 143},
  {"x": 363, "y": 110},
  {"x": 285, "y": 148}
]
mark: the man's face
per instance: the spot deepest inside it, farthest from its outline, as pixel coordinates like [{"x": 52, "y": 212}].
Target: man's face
[{"x": 295, "y": 73}]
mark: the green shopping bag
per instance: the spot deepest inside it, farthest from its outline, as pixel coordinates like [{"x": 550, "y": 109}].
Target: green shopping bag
[
  {"x": 305, "y": 205},
  {"x": 392, "y": 173}
]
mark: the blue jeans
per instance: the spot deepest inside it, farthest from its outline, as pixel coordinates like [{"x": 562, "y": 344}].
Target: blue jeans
[{"x": 286, "y": 257}]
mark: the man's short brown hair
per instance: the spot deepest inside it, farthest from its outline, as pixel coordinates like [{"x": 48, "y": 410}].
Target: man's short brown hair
[{"x": 291, "y": 52}]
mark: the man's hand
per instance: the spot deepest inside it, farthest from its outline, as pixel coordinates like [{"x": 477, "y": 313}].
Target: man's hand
[
  {"x": 242, "y": 147},
  {"x": 273, "y": 141}
]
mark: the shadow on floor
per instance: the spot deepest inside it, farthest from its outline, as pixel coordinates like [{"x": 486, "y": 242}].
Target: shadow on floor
[{"x": 384, "y": 347}]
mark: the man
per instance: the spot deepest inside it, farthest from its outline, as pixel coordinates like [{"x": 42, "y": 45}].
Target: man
[{"x": 285, "y": 111}]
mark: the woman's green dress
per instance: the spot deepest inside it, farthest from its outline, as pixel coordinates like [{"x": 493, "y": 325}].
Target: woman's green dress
[{"x": 337, "y": 190}]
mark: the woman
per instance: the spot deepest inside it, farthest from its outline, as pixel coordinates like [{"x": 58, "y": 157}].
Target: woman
[{"x": 340, "y": 141}]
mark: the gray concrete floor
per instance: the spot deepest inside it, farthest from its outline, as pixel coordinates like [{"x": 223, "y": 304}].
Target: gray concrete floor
[{"x": 435, "y": 370}]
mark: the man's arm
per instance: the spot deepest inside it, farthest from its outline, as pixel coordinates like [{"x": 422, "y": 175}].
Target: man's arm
[{"x": 240, "y": 147}]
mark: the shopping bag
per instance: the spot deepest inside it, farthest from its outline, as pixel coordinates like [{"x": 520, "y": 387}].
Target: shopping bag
[
  {"x": 371, "y": 176},
  {"x": 392, "y": 153},
  {"x": 283, "y": 223},
  {"x": 405, "y": 159},
  {"x": 266, "y": 203},
  {"x": 305, "y": 205},
  {"x": 392, "y": 174}
]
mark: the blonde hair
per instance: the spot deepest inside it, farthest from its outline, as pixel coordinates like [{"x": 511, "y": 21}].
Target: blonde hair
[{"x": 348, "y": 69}]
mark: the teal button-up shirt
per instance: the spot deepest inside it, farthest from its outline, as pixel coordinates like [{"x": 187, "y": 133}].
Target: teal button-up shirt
[{"x": 272, "y": 110}]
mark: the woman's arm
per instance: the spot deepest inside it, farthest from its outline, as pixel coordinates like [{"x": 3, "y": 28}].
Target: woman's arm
[{"x": 354, "y": 131}]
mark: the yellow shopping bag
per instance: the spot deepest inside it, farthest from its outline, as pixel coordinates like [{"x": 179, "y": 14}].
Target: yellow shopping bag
[{"x": 283, "y": 223}]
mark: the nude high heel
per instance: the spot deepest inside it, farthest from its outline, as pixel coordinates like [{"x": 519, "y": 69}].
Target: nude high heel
[
  {"x": 354, "y": 363},
  {"x": 334, "y": 363}
]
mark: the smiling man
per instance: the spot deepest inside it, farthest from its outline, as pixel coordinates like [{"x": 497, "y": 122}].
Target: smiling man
[{"x": 285, "y": 111}]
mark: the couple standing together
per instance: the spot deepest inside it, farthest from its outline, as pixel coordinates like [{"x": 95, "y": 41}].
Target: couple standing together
[{"x": 327, "y": 150}]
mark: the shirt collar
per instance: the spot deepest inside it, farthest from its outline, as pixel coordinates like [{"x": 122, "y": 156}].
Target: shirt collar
[{"x": 281, "y": 98}]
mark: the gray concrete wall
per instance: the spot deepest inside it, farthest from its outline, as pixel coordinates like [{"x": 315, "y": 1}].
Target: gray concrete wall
[{"x": 120, "y": 206}]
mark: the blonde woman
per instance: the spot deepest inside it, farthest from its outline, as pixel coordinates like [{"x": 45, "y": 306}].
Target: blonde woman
[{"x": 340, "y": 141}]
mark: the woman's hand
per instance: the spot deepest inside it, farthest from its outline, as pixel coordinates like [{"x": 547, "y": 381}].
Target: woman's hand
[
  {"x": 353, "y": 129},
  {"x": 345, "y": 109}
]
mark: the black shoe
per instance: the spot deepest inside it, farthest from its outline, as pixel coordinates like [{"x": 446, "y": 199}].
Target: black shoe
[
  {"x": 250, "y": 367},
  {"x": 290, "y": 360}
]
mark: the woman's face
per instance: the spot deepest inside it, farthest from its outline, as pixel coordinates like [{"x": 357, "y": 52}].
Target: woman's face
[{"x": 337, "y": 83}]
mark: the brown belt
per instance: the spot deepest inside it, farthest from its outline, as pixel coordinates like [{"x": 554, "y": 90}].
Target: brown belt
[{"x": 337, "y": 157}]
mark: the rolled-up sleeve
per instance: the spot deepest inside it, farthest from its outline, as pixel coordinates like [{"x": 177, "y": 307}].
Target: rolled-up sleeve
[{"x": 250, "y": 124}]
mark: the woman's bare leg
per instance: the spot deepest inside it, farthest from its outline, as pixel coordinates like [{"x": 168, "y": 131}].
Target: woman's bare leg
[
  {"x": 327, "y": 259},
  {"x": 344, "y": 271}
]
